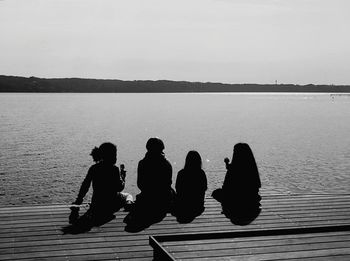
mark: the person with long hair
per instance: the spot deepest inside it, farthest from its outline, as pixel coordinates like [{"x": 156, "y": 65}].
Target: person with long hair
[
  {"x": 240, "y": 190},
  {"x": 191, "y": 184}
]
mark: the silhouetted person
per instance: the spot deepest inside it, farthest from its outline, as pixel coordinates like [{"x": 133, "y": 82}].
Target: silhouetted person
[
  {"x": 154, "y": 178},
  {"x": 107, "y": 183},
  {"x": 239, "y": 194},
  {"x": 191, "y": 184}
]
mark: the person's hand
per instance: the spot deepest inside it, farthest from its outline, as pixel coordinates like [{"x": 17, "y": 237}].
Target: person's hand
[
  {"x": 77, "y": 202},
  {"x": 227, "y": 161},
  {"x": 122, "y": 171}
]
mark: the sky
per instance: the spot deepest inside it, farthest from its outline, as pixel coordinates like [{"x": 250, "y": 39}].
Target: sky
[{"x": 229, "y": 41}]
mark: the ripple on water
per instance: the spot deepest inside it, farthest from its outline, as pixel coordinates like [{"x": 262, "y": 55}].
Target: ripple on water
[{"x": 301, "y": 145}]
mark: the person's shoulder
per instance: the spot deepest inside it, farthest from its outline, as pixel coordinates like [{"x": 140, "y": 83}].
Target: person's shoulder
[
  {"x": 94, "y": 166},
  {"x": 115, "y": 168},
  {"x": 202, "y": 172},
  {"x": 231, "y": 167},
  {"x": 181, "y": 172},
  {"x": 142, "y": 161},
  {"x": 167, "y": 161}
]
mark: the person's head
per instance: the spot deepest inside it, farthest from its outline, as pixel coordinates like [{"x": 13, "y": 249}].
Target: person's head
[
  {"x": 193, "y": 160},
  {"x": 107, "y": 152},
  {"x": 155, "y": 146},
  {"x": 242, "y": 151},
  {"x": 244, "y": 163}
]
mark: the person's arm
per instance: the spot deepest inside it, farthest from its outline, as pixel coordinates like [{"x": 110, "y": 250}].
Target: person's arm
[
  {"x": 178, "y": 183},
  {"x": 205, "y": 181},
  {"x": 84, "y": 188},
  {"x": 169, "y": 172},
  {"x": 140, "y": 176},
  {"x": 121, "y": 180},
  {"x": 227, "y": 181}
]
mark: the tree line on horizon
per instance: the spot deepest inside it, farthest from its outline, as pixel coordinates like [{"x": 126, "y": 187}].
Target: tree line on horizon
[{"x": 79, "y": 85}]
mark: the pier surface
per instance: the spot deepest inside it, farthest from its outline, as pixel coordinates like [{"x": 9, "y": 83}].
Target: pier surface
[{"x": 293, "y": 227}]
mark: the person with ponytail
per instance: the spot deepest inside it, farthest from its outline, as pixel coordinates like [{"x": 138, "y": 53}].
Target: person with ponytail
[{"x": 107, "y": 184}]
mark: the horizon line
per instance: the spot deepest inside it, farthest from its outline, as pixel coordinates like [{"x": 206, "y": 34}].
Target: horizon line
[{"x": 183, "y": 81}]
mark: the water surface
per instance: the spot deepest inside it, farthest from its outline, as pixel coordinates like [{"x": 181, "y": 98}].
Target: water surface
[{"x": 301, "y": 141}]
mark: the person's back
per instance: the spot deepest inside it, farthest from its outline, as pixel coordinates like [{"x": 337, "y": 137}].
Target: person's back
[
  {"x": 154, "y": 178},
  {"x": 106, "y": 183},
  {"x": 191, "y": 184},
  {"x": 242, "y": 181},
  {"x": 154, "y": 175},
  {"x": 241, "y": 186}
]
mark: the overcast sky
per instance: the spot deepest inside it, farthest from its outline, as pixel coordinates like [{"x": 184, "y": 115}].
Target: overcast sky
[{"x": 232, "y": 41}]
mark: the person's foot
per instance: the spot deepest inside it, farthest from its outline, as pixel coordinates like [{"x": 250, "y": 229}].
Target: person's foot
[
  {"x": 74, "y": 215},
  {"x": 129, "y": 219}
]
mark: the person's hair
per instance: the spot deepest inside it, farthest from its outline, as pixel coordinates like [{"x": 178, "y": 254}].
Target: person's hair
[
  {"x": 95, "y": 154},
  {"x": 155, "y": 145},
  {"x": 243, "y": 159},
  {"x": 243, "y": 151},
  {"x": 193, "y": 160},
  {"x": 106, "y": 152}
]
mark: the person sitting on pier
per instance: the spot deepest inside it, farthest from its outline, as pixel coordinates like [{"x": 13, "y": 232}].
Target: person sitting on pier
[
  {"x": 154, "y": 179},
  {"x": 191, "y": 184},
  {"x": 107, "y": 183},
  {"x": 239, "y": 194}
]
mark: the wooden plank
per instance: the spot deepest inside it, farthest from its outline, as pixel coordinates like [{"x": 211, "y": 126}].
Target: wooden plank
[
  {"x": 213, "y": 211},
  {"x": 265, "y": 215},
  {"x": 155, "y": 230},
  {"x": 209, "y": 201},
  {"x": 47, "y": 228},
  {"x": 117, "y": 223},
  {"x": 327, "y": 249},
  {"x": 250, "y": 243},
  {"x": 260, "y": 245},
  {"x": 333, "y": 235},
  {"x": 126, "y": 236},
  {"x": 28, "y": 233},
  {"x": 341, "y": 257},
  {"x": 60, "y": 253},
  {"x": 301, "y": 255}
]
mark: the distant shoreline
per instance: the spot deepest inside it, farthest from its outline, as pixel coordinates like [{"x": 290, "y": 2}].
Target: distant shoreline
[{"x": 13, "y": 84}]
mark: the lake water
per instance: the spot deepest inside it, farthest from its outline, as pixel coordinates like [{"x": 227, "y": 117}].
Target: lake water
[{"x": 301, "y": 142}]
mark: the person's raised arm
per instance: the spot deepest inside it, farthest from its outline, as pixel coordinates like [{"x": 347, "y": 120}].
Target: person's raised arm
[
  {"x": 121, "y": 178},
  {"x": 169, "y": 171},
  {"x": 140, "y": 176}
]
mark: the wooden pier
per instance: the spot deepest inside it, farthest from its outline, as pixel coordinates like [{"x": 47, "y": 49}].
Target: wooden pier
[{"x": 289, "y": 227}]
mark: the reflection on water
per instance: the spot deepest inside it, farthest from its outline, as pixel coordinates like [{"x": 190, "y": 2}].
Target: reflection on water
[{"x": 300, "y": 141}]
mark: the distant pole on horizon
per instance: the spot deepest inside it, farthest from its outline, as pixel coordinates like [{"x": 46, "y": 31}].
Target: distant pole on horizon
[{"x": 275, "y": 82}]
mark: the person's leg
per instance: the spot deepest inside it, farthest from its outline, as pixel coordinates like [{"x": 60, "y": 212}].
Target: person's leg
[{"x": 218, "y": 194}]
